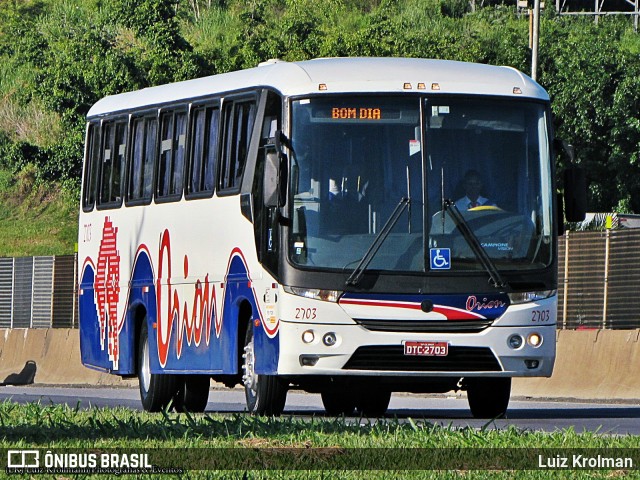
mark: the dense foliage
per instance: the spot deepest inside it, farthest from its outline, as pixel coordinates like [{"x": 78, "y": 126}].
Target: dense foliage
[{"x": 58, "y": 57}]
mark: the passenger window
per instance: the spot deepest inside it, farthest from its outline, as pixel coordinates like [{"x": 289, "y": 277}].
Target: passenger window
[
  {"x": 172, "y": 154},
  {"x": 114, "y": 141},
  {"x": 238, "y": 119},
  {"x": 91, "y": 165},
  {"x": 204, "y": 153},
  {"x": 145, "y": 134}
]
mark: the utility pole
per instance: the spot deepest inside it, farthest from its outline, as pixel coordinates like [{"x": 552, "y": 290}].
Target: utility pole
[{"x": 535, "y": 38}]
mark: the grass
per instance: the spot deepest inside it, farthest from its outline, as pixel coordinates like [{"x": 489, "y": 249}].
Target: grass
[
  {"x": 335, "y": 447},
  {"x": 35, "y": 219}
]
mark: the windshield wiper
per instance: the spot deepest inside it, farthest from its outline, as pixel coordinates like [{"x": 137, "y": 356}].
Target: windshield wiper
[
  {"x": 474, "y": 243},
  {"x": 357, "y": 273}
]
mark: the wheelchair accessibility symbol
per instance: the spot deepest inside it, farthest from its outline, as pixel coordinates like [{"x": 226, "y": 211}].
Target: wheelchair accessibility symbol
[{"x": 440, "y": 258}]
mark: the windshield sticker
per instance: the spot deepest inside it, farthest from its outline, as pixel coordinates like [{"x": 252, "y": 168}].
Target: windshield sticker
[
  {"x": 440, "y": 258},
  {"x": 414, "y": 147},
  {"x": 501, "y": 246}
]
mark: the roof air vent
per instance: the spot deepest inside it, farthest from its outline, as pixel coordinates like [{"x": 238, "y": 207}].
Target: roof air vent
[{"x": 271, "y": 61}]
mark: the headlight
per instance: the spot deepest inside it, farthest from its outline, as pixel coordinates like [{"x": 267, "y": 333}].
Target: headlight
[
  {"x": 308, "y": 336},
  {"x": 515, "y": 341},
  {"x": 525, "y": 297},
  {"x": 534, "y": 339},
  {"x": 314, "y": 293}
]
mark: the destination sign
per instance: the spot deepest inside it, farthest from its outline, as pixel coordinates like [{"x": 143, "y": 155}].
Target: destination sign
[{"x": 360, "y": 113}]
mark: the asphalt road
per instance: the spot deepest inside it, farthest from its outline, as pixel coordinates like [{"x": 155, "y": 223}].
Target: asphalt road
[{"x": 538, "y": 415}]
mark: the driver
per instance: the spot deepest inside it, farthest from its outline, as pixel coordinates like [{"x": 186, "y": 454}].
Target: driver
[{"x": 472, "y": 183}]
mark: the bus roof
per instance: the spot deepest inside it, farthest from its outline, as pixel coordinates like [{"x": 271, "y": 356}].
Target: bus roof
[{"x": 338, "y": 75}]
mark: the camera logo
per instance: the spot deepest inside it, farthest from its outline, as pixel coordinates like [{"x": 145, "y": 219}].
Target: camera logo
[{"x": 23, "y": 459}]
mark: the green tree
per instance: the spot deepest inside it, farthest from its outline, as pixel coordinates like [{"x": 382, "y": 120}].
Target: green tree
[{"x": 581, "y": 69}]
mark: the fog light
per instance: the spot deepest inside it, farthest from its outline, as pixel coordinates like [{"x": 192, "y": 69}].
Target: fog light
[
  {"x": 309, "y": 360},
  {"x": 308, "y": 336},
  {"x": 534, "y": 339},
  {"x": 531, "y": 364},
  {"x": 515, "y": 341},
  {"x": 329, "y": 339}
]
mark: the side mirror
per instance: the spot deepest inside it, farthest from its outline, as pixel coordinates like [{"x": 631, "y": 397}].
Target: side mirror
[
  {"x": 274, "y": 188},
  {"x": 567, "y": 147},
  {"x": 575, "y": 193},
  {"x": 270, "y": 191}
]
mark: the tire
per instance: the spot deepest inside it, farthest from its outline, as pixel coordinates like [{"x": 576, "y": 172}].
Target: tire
[
  {"x": 488, "y": 397},
  {"x": 192, "y": 394},
  {"x": 373, "y": 403},
  {"x": 265, "y": 394},
  {"x": 338, "y": 403},
  {"x": 156, "y": 390}
]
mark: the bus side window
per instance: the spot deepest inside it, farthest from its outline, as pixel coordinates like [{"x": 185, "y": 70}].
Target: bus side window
[
  {"x": 239, "y": 118},
  {"x": 173, "y": 128},
  {"x": 112, "y": 158},
  {"x": 91, "y": 164},
  {"x": 145, "y": 133},
  {"x": 117, "y": 180},
  {"x": 108, "y": 130},
  {"x": 204, "y": 150},
  {"x": 166, "y": 153}
]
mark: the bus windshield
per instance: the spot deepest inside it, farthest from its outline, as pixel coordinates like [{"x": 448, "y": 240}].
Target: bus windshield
[{"x": 354, "y": 159}]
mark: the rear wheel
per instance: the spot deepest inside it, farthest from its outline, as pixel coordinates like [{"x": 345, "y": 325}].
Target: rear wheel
[
  {"x": 338, "y": 403},
  {"x": 265, "y": 394},
  {"x": 156, "y": 390},
  {"x": 488, "y": 397},
  {"x": 373, "y": 403},
  {"x": 193, "y": 393}
]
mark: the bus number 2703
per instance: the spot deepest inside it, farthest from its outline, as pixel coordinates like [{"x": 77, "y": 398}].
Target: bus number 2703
[
  {"x": 539, "y": 316},
  {"x": 305, "y": 313}
]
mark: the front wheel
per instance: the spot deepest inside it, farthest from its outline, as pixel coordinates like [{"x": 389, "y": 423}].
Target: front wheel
[
  {"x": 156, "y": 390},
  {"x": 265, "y": 394},
  {"x": 338, "y": 402},
  {"x": 193, "y": 393},
  {"x": 488, "y": 397},
  {"x": 373, "y": 403}
]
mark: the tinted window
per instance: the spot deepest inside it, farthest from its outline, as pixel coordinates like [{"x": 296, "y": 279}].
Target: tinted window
[
  {"x": 204, "y": 149},
  {"x": 91, "y": 166},
  {"x": 114, "y": 140},
  {"x": 239, "y": 118},
  {"x": 145, "y": 133},
  {"x": 172, "y": 154}
]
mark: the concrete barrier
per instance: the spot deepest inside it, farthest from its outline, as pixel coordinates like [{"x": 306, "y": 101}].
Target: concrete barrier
[
  {"x": 590, "y": 364},
  {"x": 56, "y": 353}
]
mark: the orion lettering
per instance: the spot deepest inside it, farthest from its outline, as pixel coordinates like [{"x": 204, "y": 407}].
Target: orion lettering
[
  {"x": 192, "y": 327},
  {"x": 474, "y": 304}
]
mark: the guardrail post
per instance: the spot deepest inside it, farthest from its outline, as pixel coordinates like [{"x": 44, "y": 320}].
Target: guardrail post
[
  {"x": 607, "y": 245},
  {"x": 566, "y": 280}
]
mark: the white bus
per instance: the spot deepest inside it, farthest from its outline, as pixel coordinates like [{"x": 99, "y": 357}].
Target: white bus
[{"x": 302, "y": 225}]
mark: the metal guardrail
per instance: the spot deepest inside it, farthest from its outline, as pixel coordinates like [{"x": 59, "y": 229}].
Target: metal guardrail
[
  {"x": 38, "y": 292},
  {"x": 599, "y": 276},
  {"x": 599, "y": 279}
]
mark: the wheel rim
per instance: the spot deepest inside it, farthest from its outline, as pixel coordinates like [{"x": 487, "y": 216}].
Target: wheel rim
[
  {"x": 145, "y": 368},
  {"x": 249, "y": 377}
]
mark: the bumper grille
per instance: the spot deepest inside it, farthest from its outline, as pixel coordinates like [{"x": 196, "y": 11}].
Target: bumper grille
[
  {"x": 392, "y": 357},
  {"x": 418, "y": 326}
]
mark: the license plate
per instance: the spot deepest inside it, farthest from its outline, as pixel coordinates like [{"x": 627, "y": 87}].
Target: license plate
[{"x": 426, "y": 349}]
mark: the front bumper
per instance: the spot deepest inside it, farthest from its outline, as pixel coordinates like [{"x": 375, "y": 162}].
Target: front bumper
[{"x": 358, "y": 351}]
